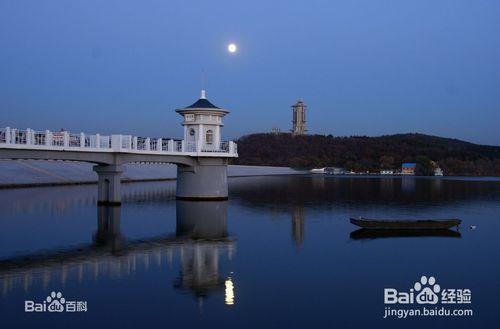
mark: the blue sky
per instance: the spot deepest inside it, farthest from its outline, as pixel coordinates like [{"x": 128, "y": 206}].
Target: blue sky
[{"x": 366, "y": 67}]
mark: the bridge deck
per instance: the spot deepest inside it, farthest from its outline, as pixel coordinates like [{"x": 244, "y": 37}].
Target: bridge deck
[{"x": 64, "y": 141}]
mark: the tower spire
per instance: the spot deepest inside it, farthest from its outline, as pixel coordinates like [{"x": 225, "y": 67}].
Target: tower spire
[{"x": 203, "y": 93}]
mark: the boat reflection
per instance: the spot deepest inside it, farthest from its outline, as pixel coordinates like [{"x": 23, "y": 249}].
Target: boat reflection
[{"x": 370, "y": 234}]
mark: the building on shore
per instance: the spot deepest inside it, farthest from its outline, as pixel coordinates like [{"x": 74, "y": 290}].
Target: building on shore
[
  {"x": 387, "y": 172},
  {"x": 408, "y": 168},
  {"x": 299, "y": 118},
  {"x": 438, "y": 172},
  {"x": 328, "y": 171}
]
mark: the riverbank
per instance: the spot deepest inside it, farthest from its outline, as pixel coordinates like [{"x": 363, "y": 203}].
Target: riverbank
[{"x": 32, "y": 173}]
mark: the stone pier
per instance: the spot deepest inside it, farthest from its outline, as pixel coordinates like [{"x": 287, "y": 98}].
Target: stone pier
[
  {"x": 109, "y": 184},
  {"x": 204, "y": 181}
]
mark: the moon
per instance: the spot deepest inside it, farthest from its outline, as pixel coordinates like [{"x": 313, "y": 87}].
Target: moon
[{"x": 232, "y": 48}]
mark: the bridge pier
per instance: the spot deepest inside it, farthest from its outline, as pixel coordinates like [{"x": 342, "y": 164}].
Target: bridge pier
[
  {"x": 204, "y": 181},
  {"x": 109, "y": 184}
]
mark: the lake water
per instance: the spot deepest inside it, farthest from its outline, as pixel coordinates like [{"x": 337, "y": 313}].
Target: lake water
[{"x": 280, "y": 253}]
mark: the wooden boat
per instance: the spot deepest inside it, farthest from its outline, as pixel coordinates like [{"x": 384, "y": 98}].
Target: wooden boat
[
  {"x": 384, "y": 224},
  {"x": 367, "y": 234}
]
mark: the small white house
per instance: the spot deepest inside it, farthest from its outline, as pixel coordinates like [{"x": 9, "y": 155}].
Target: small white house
[
  {"x": 438, "y": 172},
  {"x": 202, "y": 126}
]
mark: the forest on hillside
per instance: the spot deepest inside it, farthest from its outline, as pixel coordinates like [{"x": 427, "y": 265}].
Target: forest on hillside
[{"x": 361, "y": 153}]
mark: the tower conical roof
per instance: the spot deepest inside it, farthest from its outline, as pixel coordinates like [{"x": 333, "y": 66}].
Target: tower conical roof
[{"x": 202, "y": 103}]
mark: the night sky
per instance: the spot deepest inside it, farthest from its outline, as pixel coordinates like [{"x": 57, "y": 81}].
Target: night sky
[{"x": 364, "y": 67}]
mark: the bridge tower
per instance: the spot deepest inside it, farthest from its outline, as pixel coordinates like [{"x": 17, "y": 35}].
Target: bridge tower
[
  {"x": 207, "y": 179},
  {"x": 202, "y": 125}
]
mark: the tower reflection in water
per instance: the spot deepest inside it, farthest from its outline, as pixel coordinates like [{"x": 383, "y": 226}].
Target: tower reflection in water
[
  {"x": 203, "y": 224},
  {"x": 201, "y": 239},
  {"x": 298, "y": 225}
]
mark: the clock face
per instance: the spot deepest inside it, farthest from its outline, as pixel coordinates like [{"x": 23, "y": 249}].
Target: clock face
[{"x": 191, "y": 132}]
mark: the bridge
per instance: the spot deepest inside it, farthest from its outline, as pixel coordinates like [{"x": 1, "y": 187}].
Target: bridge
[{"x": 201, "y": 156}]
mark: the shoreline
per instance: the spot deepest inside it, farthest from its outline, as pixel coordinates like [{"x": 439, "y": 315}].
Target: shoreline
[
  {"x": 16, "y": 174},
  {"x": 145, "y": 180},
  {"x": 126, "y": 181}
]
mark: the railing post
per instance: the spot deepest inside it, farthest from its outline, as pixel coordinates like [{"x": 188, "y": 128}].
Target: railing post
[
  {"x": 48, "y": 138},
  {"x": 183, "y": 146},
  {"x": 129, "y": 142},
  {"x": 159, "y": 145},
  {"x": 170, "y": 145},
  {"x": 7, "y": 135},
  {"x": 116, "y": 143},
  {"x": 66, "y": 138},
  {"x": 28, "y": 136},
  {"x": 97, "y": 141},
  {"x": 32, "y": 136},
  {"x": 13, "y": 138},
  {"x": 82, "y": 140},
  {"x": 147, "y": 144},
  {"x": 134, "y": 143},
  {"x": 231, "y": 147}
]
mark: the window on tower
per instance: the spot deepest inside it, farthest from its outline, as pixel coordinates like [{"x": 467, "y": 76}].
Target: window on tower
[{"x": 209, "y": 137}]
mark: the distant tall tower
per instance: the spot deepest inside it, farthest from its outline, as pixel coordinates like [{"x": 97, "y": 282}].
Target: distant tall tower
[{"x": 299, "y": 118}]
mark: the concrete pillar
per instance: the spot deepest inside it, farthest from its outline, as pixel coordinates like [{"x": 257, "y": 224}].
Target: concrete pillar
[
  {"x": 207, "y": 180},
  {"x": 201, "y": 138},
  {"x": 109, "y": 184},
  {"x": 217, "y": 138}
]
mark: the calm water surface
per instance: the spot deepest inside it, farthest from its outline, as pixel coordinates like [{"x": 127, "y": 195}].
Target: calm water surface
[{"x": 279, "y": 254}]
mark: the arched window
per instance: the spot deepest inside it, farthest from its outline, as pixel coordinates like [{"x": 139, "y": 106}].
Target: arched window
[{"x": 209, "y": 137}]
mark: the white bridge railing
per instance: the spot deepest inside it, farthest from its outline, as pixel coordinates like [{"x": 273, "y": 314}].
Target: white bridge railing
[{"x": 64, "y": 140}]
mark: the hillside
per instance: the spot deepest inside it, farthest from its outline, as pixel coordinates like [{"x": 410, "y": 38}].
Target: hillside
[{"x": 361, "y": 153}]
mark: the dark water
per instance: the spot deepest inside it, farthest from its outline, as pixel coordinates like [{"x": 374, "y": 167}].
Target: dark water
[{"x": 280, "y": 254}]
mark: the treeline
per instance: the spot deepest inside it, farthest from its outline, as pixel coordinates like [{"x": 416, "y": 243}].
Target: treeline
[{"x": 361, "y": 153}]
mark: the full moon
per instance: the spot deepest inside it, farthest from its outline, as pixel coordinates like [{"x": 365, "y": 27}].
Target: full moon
[{"x": 232, "y": 48}]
